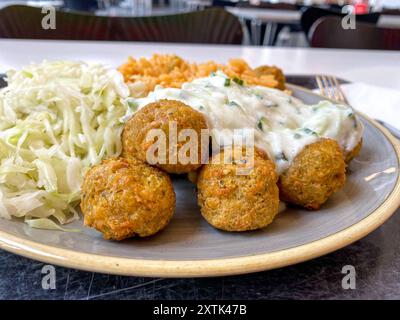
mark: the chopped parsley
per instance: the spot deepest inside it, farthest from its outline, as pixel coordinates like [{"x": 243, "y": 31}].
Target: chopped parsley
[
  {"x": 260, "y": 123},
  {"x": 259, "y": 96},
  {"x": 315, "y": 108},
  {"x": 353, "y": 117},
  {"x": 309, "y": 131},
  {"x": 133, "y": 105},
  {"x": 227, "y": 82},
  {"x": 297, "y": 136},
  {"x": 233, "y": 104},
  {"x": 281, "y": 156},
  {"x": 238, "y": 81}
]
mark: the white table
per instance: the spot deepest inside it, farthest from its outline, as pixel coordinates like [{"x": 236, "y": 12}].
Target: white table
[
  {"x": 115, "y": 11},
  {"x": 266, "y": 15},
  {"x": 374, "y": 67},
  {"x": 389, "y": 21}
]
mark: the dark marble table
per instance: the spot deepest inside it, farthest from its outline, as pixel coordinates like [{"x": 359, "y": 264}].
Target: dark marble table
[{"x": 376, "y": 260}]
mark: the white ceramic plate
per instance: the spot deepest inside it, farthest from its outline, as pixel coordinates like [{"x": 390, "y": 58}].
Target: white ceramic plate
[{"x": 191, "y": 247}]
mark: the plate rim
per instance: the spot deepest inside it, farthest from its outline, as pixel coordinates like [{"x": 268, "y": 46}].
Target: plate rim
[{"x": 219, "y": 266}]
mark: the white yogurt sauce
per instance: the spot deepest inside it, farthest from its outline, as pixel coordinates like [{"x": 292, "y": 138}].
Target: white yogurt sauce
[{"x": 283, "y": 125}]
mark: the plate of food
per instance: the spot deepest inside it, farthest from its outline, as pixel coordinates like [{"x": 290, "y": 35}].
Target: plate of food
[{"x": 168, "y": 168}]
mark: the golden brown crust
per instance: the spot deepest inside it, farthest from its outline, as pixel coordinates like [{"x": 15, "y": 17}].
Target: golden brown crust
[
  {"x": 233, "y": 202},
  {"x": 275, "y": 72},
  {"x": 159, "y": 115},
  {"x": 316, "y": 173},
  {"x": 122, "y": 198},
  {"x": 353, "y": 153}
]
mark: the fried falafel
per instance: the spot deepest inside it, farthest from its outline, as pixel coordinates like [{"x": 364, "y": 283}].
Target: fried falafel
[
  {"x": 316, "y": 173},
  {"x": 233, "y": 202},
  {"x": 276, "y": 72},
  {"x": 160, "y": 115},
  {"x": 122, "y": 198}
]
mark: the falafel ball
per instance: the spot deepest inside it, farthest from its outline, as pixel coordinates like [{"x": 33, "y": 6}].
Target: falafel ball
[
  {"x": 353, "y": 153},
  {"x": 122, "y": 198},
  {"x": 316, "y": 173},
  {"x": 160, "y": 115},
  {"x": 276, "y": 72},
  {"x": 233, "y": 202}
]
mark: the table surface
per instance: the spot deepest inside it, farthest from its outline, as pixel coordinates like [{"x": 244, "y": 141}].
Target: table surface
[
  {"x": 376, "y": 258},
  {"x": 373, "y": 67},
  {"x": 266, "y": 15}
]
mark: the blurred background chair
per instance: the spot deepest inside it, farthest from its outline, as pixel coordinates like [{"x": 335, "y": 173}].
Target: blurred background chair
[
  {"x": 327, "y": 32},
  {"x": 311, "y": 14},
  {"x": 24, "y": 22},
  {"x": 391, "y": 12},
  {"x": 223, "y": 3},
  {"x": 206, "y": 26},
  {"x": 79, "y": 5},
  {"x": 269, "y": 5}
]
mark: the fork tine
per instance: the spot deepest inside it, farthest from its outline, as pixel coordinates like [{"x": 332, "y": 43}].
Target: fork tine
[
  {"x": 320, "y": 85},
  {"x": 336, "y": 89},
  {"x": 333, "y": 87},
  {"x": 329, "y": 87},
  {"x": 340, "y": 91},
  {"x": 325, "y": 83}
]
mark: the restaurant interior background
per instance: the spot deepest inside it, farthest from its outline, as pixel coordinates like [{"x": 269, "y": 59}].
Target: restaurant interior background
[
  {"x": 287, "y": 23},
  {"x": 283, "y": 33}
]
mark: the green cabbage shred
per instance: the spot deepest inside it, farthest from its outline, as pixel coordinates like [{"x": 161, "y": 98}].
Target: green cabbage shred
[{"x": 57, "y": 119}]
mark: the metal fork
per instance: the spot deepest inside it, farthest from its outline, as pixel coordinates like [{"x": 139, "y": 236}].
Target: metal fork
[{"x": 329, "y": 87}]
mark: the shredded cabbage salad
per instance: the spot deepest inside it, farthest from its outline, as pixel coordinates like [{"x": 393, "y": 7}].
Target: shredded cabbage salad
[{"x": 56, "y": 120}]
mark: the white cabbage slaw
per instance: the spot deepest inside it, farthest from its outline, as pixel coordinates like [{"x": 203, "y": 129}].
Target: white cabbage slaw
[{"x": 56, "y": 120}]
